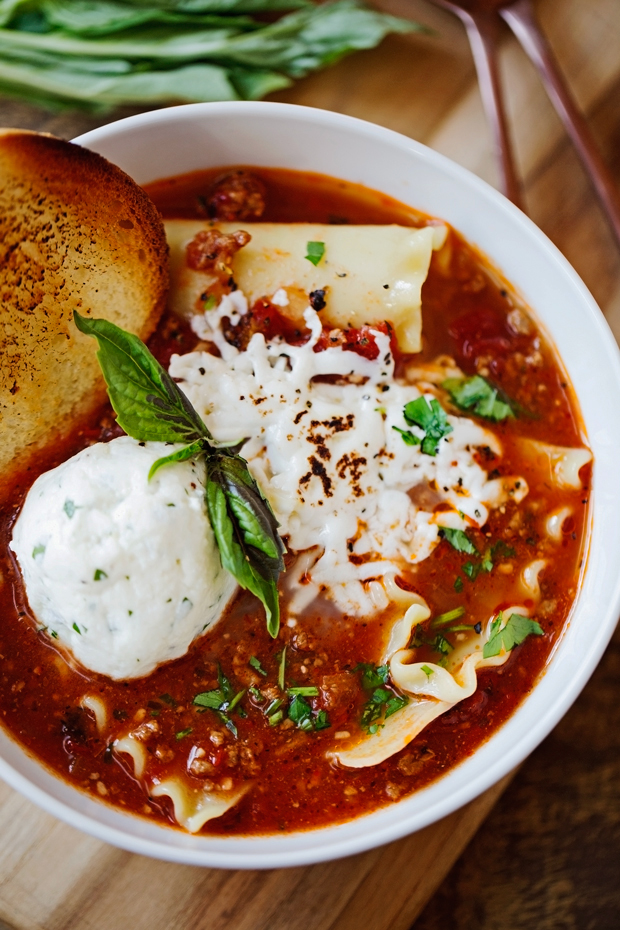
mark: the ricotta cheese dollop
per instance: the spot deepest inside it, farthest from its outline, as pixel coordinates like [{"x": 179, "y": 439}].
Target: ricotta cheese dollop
[{"x": 123, "y": 571}]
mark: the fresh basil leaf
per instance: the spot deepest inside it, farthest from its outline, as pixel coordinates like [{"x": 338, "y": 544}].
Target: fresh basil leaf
[
  {"x": 253, "y": 514},
  {"x": 478, "y": 395},
  {"x": 315, "y": 252},
  {"x": 181, "y": 455},
  {"x": 148, "y": 404},
  {"x": 252, "y": 569},
  {"x": 98, "y": 55},
  {"x": 515, "y": 631},
  {"x": 459, "y": 540},
  {"x": 431, "y": 418}
]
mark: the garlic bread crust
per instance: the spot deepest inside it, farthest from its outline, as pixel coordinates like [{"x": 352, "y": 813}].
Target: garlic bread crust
[{"x": 76, "y": 233}]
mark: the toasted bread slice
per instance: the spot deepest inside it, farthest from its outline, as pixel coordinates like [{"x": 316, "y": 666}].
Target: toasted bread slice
[{"x": 76, "y": 233}]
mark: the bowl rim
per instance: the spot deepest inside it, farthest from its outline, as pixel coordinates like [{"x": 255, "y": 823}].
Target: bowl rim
[{"x": 383, "y": 825}]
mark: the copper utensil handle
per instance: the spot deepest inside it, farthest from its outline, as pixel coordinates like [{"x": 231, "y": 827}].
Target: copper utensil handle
[
  {"x": 521, "y": 19},
  {"x": 482, "y": 32}
]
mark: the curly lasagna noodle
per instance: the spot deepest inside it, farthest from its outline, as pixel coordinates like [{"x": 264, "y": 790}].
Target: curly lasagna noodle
[{"x": 419, "y": 445}]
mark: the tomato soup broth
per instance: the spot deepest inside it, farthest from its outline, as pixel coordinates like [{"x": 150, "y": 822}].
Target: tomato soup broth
[{"x": 469, "y": 314}]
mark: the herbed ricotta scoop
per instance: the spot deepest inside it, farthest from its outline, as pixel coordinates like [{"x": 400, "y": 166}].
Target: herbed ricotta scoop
[{"x": 123, "y": 571}]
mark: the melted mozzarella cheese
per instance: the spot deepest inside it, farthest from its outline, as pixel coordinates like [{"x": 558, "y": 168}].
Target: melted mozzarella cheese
[
  {"x": 328, "y": 459},
  {"x": 123, "y": 571},
  {"x": 368, "y": 273}
]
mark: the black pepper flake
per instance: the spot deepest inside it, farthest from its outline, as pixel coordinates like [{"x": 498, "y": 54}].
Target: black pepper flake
[
  {"x": 386, "y": 287},
  {"x": 478, "y": 628},
  {"x": 202, "y": 371},
  {"x": 317, "y": 299}
]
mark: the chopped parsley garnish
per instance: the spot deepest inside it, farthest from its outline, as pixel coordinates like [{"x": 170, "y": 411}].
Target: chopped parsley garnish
[
  {"x": 502, "y": 550},
  {"x": 383, "y": 702},
  {"x": 315, "y": 252},
  {"x": 459, "y": 540},
  {"x": 477, "y": 395},
  {"x": 282, "y": 669},
  {"x": 254, "y": 662},
  {"x": 69, "y": 508},
  {"x": 168, "y": 699},
  {"x": 38, "y": 550},
  {"x": 183, "y": 733},
  {"x": 99, "y": 574},
  {"x": 53, "y": 634},
  {"x": 429, "y": 417},
  {"x": 300, "y": 713},
  {"x": 442, "y": 645},
  {"x": 448, "y": 617},
  {"x": 256, "y": 694},
  {"x": 408, "y": 436},
  {"x": 472, "y": 570},
  {"x": 511, "y": 634},
  {"x": 427, "y": 671},
  {"x": 209, "y": 303},
  {"x": 373, "y": 676},
  {"x": 321, "y": 721},
  {"x": 222, "y": 700},
  {"x": 77, "y": 629}
]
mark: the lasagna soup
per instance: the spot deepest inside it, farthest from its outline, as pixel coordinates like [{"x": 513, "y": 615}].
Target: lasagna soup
[{"x": 413, "y": 437}]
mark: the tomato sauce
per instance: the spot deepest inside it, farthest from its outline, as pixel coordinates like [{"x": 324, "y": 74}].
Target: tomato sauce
[{"x": 470, "y": 314}]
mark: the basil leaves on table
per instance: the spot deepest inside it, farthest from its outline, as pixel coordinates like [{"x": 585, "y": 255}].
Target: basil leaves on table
[{"x": 150, "y": 407}]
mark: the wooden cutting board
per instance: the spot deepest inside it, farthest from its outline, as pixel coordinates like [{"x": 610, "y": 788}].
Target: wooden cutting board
[{"x": 54, "y": 878}]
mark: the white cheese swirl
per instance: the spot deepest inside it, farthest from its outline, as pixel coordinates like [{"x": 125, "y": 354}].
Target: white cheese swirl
[{"x": 327, "y": 458}]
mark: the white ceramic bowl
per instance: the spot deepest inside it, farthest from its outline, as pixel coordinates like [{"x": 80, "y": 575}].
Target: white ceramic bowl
[{"x": 182, "y": 139}]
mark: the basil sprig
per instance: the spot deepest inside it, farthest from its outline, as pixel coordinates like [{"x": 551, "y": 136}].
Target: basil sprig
[{"x": 150, "y": 407}]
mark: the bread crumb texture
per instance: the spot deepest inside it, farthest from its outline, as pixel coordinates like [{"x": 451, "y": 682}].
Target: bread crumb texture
[{"x": 76, "y": 233}]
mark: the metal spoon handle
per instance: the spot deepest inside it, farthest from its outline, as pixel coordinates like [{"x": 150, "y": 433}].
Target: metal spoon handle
[
  {"x": 521, "y": 19},
  {"x": 482, "y": 32}
]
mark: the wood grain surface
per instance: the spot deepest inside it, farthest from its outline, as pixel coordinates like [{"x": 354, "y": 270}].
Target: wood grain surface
[{"x": 548, "y": 857}]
